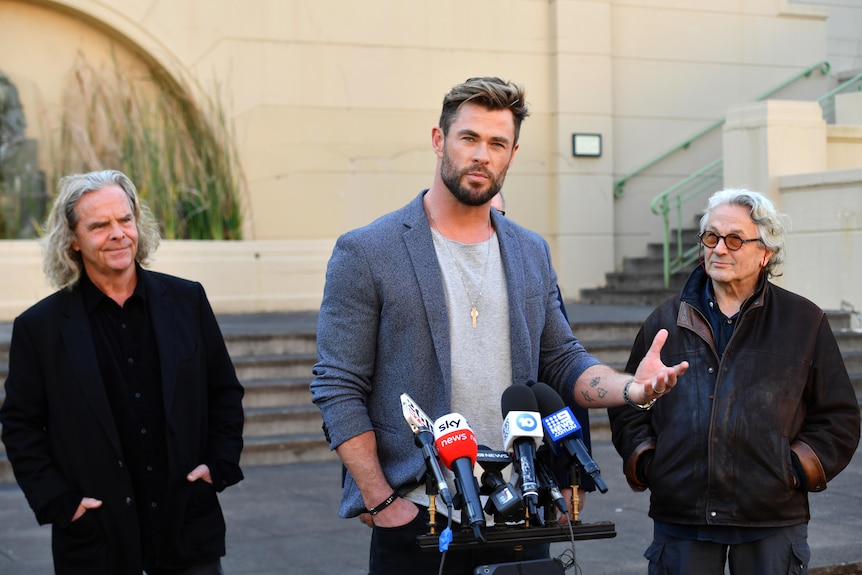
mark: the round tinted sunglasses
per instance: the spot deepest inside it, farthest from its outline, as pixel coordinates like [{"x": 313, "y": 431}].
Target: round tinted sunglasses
[{"x": 732, "y": 242}]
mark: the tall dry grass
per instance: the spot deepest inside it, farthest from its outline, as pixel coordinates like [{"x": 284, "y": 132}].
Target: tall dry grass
[{"x": 179, "y": 152}]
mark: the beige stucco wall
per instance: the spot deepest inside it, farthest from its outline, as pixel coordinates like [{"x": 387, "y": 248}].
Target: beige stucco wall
[
  {"x": 824, "y": 244},
  {"x": 825, "y": 247},
  {"x": 246, "y": 276},
  {"x": 333, "y": 100},
  {"x": 807, "y": 168}
]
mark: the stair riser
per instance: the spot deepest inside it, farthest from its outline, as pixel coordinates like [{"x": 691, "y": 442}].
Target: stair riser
[
  {"x": 645, "y": 266},
  {"x": 848, "y": 342},
  {"x": 276, "y": 395},
  {"x": 287, "y": 368},
  {"x": 280, "y": 453},
  {"x": 589, "y": 332},
  {"x": 853, "y": 362},
  {"x": 657, "y": 250},
  {"x": 282, "y": 424},
  {"x": 242, "y": 346},
  {"x": 616, "y": 355},
  {"x": 237, "y": 346},
  {"x": 625, "y": 298},
  {"x": 634, "y": 281},
  {"x": 271, "y": 345}
]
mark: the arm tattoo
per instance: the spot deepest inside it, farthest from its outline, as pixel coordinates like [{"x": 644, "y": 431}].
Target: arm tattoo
[{"x": 600, "y": 391}]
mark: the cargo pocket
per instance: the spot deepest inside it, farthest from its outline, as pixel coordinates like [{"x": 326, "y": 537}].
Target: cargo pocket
[
  {"x": 654, "y": 555},
  {"x": 801, "y": 556}
]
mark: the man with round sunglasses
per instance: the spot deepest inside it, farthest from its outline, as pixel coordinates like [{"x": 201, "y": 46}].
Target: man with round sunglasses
[{"x": 765, "y": 414}]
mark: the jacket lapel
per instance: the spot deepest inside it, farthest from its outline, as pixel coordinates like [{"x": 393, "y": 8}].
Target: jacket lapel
[
  {"x": 420, "y": 246},
  {"x": 516, "y": 289},
  {"x": 163, "y": 318},
  {"x": 78, "y": 339}
]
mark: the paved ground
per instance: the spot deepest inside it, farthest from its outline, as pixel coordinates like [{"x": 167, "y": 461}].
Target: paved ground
[{"x": 284, "y": 520}]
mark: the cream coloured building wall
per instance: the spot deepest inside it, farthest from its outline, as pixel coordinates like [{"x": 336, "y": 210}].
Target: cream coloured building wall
[
  {"x": 785, "y": 147},
  {"x": 825, "y": 247},
  {"x": 333, "y": 100},
  {"x": 843, "y": 25}
]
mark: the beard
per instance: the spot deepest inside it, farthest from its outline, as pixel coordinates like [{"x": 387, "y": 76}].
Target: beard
[{"x": 470, "y": 195}]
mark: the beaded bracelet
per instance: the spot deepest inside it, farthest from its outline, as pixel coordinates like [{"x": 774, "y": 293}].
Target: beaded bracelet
[{"x": 389, "y": 500}]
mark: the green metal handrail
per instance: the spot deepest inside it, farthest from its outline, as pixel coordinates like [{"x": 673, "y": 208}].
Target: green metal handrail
[
  {"x": 705, "y": 180},
  {"x": 619, "y": 185},
  {"x": 673, "y": 198},
  {"x": 827, "y": 100}
]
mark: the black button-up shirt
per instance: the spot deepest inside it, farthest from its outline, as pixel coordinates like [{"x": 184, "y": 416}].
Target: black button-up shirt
[
  {"x": 722, "y": 326},
  {"x": 129, "y": 364}
]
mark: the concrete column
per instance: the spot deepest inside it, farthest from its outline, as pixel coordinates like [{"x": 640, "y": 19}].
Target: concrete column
[
  {"x": 581, "y": 209},
  {"x": 765, "y": 140},
  {"x": 848, "y": 109}
]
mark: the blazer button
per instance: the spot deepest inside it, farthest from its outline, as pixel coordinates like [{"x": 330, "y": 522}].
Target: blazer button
[
  {"x": 120, "y": 463},
  {"x": 129, "y": 501}
]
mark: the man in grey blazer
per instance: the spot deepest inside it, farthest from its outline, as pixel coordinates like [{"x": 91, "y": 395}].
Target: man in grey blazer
[{"x": 451, "y": 303}]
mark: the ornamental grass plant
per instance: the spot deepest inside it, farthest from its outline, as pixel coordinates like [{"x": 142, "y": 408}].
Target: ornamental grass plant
[{"x": 178, "y": 151}]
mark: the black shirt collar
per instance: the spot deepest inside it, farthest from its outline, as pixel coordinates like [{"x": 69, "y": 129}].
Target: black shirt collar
[{"x": 93, "y": 296}]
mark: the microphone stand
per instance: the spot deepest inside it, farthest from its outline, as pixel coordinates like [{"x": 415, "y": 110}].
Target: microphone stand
[
  {"x": 520, "y": 535},
  {"x": 575, "y": 479},
  {"x": 515, "y": 536},
  {"x": 431, "y": 491}
]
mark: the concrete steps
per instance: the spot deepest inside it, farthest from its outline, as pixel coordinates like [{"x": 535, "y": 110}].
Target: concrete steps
[
  {"x": 283, "y": 426},
  {"x": 641, "y": 280},
  {"x": 274, "y": 355}
]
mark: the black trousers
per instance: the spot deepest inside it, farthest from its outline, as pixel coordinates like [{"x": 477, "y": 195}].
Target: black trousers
[
  {"x": 786, "y": 552},
  {"x": 394, "y": 551},
  {"x": 212, "y": 568}
]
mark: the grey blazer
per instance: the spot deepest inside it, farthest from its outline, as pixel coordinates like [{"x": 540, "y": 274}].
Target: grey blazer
[{"x": 383, "y": 330}]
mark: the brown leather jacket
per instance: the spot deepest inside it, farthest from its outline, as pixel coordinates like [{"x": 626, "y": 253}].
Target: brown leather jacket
[{"x": 720, "y": 443}]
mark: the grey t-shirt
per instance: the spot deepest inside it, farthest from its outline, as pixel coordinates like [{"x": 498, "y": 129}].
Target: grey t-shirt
[{"x": 473, "y": 276}]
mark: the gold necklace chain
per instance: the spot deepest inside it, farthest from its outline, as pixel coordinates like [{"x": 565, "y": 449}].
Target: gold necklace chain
[{"x": 474, "y": 304}]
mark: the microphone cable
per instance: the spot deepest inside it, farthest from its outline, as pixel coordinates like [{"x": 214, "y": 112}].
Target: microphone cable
[
  {"x": 569, "y": 563},
  {"x": 445, "y": 537}
]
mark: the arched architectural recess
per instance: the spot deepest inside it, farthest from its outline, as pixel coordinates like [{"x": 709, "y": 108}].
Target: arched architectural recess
[{"x": 121, "y": 27}]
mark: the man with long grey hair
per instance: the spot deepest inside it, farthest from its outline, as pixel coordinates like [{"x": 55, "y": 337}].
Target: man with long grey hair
[
  {"x": 765, "y": 414},
  {"x": 123, "y": 414}
]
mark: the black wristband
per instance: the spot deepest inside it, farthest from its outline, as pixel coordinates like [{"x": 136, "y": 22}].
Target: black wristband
[{"x": 389, "y": 500}]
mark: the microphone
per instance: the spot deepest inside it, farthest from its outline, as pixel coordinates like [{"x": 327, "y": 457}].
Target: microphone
[
  {"x": 561, "y": 429},
  {"x": 458, "y": 449},
  {"x": 505, "y": 501},
  {"x": 491, "y": 459},
  {"x": 549, "y": 484},
  {"x": 421, "y": 425},
  {"x": 522, "y": 433}
]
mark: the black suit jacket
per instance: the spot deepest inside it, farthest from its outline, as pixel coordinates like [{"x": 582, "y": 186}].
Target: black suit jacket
[{"x": 62, "y": 440}]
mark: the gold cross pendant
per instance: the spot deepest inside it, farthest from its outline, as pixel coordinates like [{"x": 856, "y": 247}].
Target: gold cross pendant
[{"x": 474, "y": 313}]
